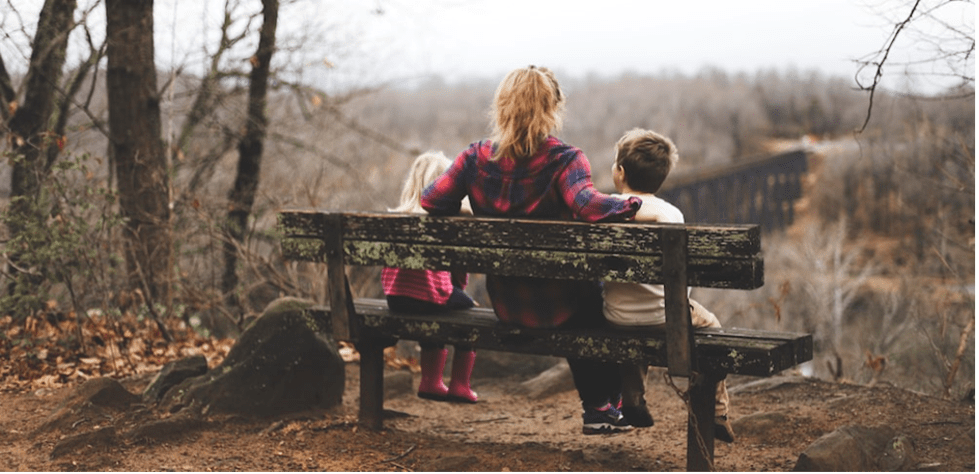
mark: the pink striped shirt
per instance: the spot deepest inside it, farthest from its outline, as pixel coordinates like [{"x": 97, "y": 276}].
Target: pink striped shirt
[{"x": 425, "y": 285}]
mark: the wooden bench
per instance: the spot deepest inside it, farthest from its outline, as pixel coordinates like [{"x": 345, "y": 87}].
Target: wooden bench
[{"x": 675, "y": 255}]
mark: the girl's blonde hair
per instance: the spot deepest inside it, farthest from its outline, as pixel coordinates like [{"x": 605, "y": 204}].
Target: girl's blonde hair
[
  {"x": 528, "y": 106},
  {"x": 424, "y": 170}
]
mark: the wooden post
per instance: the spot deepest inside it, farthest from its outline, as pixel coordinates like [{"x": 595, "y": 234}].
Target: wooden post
[
  {"x": 703, "y": 397},
  {"x": 341, "y": 302},
  {"x": 371, "y": 383},
  {"x": 679, "y": 333}
]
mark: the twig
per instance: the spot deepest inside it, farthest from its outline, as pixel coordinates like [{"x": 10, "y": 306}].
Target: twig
[
  {"x": 959, "y": 353},
  {"x": 149, "y": 304},
  {"x": 407, "y": 452},
  {"x": 405, "y": 468},
  {"x": 489, "y": 420},
  {"x": 880, "y": 65},
  {"x": 276, "y": 426}
]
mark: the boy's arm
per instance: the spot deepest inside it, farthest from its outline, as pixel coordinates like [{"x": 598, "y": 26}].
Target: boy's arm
[{"x": 655, "y": 209}]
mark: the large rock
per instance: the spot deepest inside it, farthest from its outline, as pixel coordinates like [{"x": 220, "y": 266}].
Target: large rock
[
  {"x": 552, "y": 381},
  {"x": 96, "y": 399},
  {"x": 285, "y": 362},
  {"x": 495, "y": 364},
  {"x": 858, "y": 448},
  {"x": 172, "y": 374}
]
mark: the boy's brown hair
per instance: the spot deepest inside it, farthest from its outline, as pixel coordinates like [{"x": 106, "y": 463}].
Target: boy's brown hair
[{"x": 646, "y": 158}]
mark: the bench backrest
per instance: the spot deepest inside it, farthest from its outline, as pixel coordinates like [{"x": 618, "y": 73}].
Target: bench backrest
[{"x": 675, "y": 255}]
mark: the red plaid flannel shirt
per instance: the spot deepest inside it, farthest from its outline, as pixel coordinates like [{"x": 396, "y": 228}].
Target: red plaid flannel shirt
[{"x": 554, "y": 183}]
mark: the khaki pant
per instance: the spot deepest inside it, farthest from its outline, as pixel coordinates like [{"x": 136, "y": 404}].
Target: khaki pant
[{"x": 634, "y": 376}]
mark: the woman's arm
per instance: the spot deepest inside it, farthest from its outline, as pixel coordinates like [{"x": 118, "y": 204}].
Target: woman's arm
[
  {"x": 444, "y": 196},
  {"x": 587, "y": 203}
]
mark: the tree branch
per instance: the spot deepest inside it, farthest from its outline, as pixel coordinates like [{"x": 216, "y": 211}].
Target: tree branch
[{"x": 879, "y": 73}]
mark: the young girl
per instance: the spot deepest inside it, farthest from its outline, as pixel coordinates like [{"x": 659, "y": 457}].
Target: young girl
[{"x": 430, "y": 291}]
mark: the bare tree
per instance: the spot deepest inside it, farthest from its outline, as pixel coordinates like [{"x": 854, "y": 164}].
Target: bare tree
[
  {"x": 137, "y": 148},
  {"x": 242, "y": 195},
  {"x": 28, "y": 127},
  {"x": 833, "y": 277}
]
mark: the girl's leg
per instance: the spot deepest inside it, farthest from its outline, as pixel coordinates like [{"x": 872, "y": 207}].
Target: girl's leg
[
  {"x": 462, "y": 368},
  {"x": 433, "y": 363}
]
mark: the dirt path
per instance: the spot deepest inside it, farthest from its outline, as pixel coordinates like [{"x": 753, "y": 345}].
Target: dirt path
[{"x": 504, "y": 432}]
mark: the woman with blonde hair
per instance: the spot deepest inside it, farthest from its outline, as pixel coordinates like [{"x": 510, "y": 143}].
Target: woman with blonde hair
[
  {"x": 524, "y": 171},
  {"x": 431, "y": 291}
]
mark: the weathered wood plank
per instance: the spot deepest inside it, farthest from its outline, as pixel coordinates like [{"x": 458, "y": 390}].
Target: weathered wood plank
[
  {"x": 746, "y": 273},
  {"x": 721, "y": 351},
  {"x": 717, "y": 241},
  {"x": 371, "y": 384},
  {"x": 700, "y": 423},
  {"x": 679, "y": 333},
  {"x": 340, "y": 296}
]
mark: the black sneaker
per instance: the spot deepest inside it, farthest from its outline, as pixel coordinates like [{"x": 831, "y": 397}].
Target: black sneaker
[
  {"x": 638, "y": 417},
  {"x": 605, "y": 420}
]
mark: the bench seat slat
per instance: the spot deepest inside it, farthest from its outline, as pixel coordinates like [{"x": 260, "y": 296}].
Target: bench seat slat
[
  {"x": 717, "y": 241},
  {"x": 747, "y": 273},
  {"x": 721, "y": 350}
]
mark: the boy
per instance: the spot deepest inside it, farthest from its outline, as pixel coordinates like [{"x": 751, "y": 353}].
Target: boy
[{"x": 643, "y": 159}]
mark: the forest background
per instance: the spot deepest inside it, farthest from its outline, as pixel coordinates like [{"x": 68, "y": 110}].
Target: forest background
[{"x": 879, "y": 265}]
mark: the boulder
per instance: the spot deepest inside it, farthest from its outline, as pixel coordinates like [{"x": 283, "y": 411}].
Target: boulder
[
  {"x": 285, "y": 362},
  {"x": 858, "y": 448},
  {"x": 552, "y": 381},
  {"x": 173, "y": 373},
  {"x": 495, "y": 364},
  {"x": 95, "y": 399},
  {"x": 101, "y": 391}
]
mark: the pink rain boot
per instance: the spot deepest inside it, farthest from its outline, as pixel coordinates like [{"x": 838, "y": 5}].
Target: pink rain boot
[
  {"x": 462, "y": 368},
  {"x": 433, "y": 363}
]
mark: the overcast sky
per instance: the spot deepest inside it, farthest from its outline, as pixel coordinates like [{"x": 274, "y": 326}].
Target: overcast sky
[
  {"x": 402, "y": 41},
  {"x": 487, "y": 38}
]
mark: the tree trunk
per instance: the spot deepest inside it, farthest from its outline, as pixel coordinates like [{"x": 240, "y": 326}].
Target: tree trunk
[
  {"x": 28, "y": 126},
  {"x": 242, "y": 196},
  {"x": 136, "y": 146},
  {"x": 7, "y": 95}
]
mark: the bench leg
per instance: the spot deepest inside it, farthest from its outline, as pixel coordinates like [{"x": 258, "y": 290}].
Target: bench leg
[
  {"x": 371, "y": 383},
  {"x": 702, "y": 391}
]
